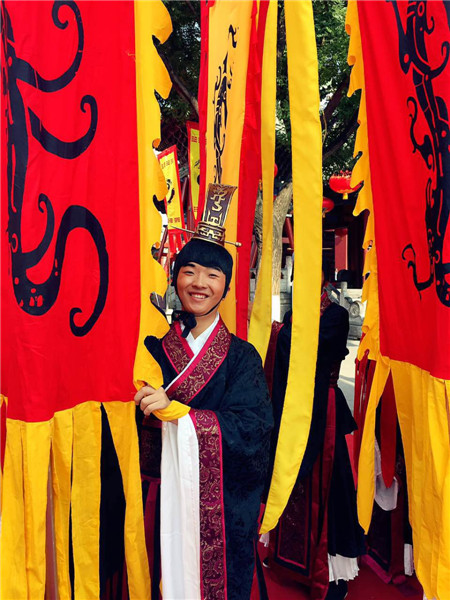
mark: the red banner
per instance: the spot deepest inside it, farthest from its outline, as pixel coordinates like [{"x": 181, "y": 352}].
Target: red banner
[
  {"x": 407, "y": 78},
  {"x": 70, "y": 211}
]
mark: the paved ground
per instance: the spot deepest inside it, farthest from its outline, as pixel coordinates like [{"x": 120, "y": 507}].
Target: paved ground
[{"x": 347, "y": 374}]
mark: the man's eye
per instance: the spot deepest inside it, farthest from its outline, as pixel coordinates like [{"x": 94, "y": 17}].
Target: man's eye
[
  {"x": 214, "y": 275},
  {"x": 188, "y": 272}
]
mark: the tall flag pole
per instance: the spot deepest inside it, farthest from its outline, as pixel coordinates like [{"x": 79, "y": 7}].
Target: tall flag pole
[
  {"x": 307, "y": 186},
  {"x": 79, "y": 120},
  {"x": 400, "y": 54}
]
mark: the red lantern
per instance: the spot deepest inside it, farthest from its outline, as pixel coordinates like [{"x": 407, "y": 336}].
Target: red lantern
[
  {"x": 340, "y": 183},
  {"x": 327, "y": 206}
]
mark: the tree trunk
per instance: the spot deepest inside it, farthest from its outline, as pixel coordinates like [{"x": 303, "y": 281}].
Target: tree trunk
[
  {"x": 280, "y": 210},
  {"x": 258, "y": 229},
  {"x": 178, "y": 85},
  {"x": 350, "y": 127},
  {"x": 333, "y": 102}
]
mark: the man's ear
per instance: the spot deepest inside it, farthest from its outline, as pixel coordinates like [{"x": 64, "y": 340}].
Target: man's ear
[{"x": 225, "y": 293}]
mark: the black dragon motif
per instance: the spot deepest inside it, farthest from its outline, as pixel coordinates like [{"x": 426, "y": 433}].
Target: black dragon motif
[
  {"x": 221, "y": 87},
  {"x": 37, "y": 298},
  {"x": 434, "y": 147}
]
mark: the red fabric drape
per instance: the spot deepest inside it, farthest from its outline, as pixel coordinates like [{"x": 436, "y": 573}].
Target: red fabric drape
[
  {"x": 407, "y": 78},
  {"x": 70, "y": 210},
  {"x": 250, "y": 164}
]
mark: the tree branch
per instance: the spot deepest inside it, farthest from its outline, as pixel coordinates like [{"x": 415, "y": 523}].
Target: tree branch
[
  {"x": 342, "y": 138},
  {"x": 178, "y": 84},
  {"x": 280, "y": 209},
  {"x": 334, "y": 101},
  {"x": 192, "y": 10}
]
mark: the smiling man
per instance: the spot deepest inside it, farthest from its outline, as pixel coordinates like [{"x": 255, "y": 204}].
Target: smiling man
[{"x": 202, "y": 507}]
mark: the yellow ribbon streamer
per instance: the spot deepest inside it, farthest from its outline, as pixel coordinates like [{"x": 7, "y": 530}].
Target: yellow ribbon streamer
[
  {"x": 61, "y": 461},
  {"x": 307, "y": 185},
  {"x": 122, "y": 422}
]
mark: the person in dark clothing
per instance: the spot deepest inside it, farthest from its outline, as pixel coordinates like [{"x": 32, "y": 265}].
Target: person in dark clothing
[
  {"x": 204, "y": 466},
  {"x": 318, "y": 538}
]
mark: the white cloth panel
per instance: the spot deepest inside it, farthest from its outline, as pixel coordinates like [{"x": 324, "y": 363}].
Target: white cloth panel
[
  {"x": 385, "y": 497},
  {"x": 342, "y": 567},
  {"x": 409, "y": 559},
  {"x": 180, "y": 512}
]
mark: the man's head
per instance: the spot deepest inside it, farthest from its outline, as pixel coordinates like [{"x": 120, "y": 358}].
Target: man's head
[{"x": 202, "y": 268}]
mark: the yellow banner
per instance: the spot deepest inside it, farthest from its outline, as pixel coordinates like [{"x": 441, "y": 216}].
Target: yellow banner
[
  {"x": 194, "y": 166},
  {"x": 174, "y": 204},
  {"x": 307, "y": 184},
  {"x": 229, "y": 39}
]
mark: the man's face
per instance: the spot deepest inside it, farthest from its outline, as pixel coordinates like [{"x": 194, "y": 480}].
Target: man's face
[{"x": 200, "y": 288}]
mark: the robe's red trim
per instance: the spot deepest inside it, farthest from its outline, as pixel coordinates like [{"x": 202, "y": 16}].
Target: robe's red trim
[
  {"x": 213, "y": 569},
  {"x": 202, "y": 368},
  {"x": 176, "y": 348},
  {"x": 313, "y": 561}
]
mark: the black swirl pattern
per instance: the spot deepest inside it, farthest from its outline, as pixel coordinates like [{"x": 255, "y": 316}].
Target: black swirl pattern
[
  {"x": 37, "y": 298},
  {"x": 434, "y": 149}
]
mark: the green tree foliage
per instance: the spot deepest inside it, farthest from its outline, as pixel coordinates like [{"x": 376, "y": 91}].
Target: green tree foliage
[{"x": 181, "y": 54}]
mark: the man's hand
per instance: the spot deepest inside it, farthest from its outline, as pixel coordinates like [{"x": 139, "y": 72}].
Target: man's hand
[{"x": 148, "y": 399}]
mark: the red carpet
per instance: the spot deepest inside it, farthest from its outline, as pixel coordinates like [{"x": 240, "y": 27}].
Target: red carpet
[{"x": 367, "y": 586}]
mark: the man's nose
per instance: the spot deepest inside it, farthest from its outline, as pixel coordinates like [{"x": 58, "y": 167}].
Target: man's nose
[{"x": 200, "y": 281}]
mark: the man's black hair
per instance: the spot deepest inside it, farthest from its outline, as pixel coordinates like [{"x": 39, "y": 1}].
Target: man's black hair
[{"x": 206, "y": 254}]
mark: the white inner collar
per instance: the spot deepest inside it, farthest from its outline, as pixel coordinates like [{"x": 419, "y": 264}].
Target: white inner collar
[{"x": 196, "y": 344}]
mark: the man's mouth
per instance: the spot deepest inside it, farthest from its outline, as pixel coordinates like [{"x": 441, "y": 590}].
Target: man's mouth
[{"x": 198, "y": 296}]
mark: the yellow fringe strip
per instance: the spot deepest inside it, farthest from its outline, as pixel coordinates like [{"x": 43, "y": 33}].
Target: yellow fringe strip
[
  {"x": 121, "y": 418},
  {"x": 261, "y": 318},
  {"x": 86, "y": 505},
  {"x": 3, "y": 400},
  {"x": 71, "y": 444},
  {"x": 13, "y": 573},
  {"x": 422, "y": 400},
  {"x": 307, "y": 182},
  {"x": 61, "y": 461}
]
